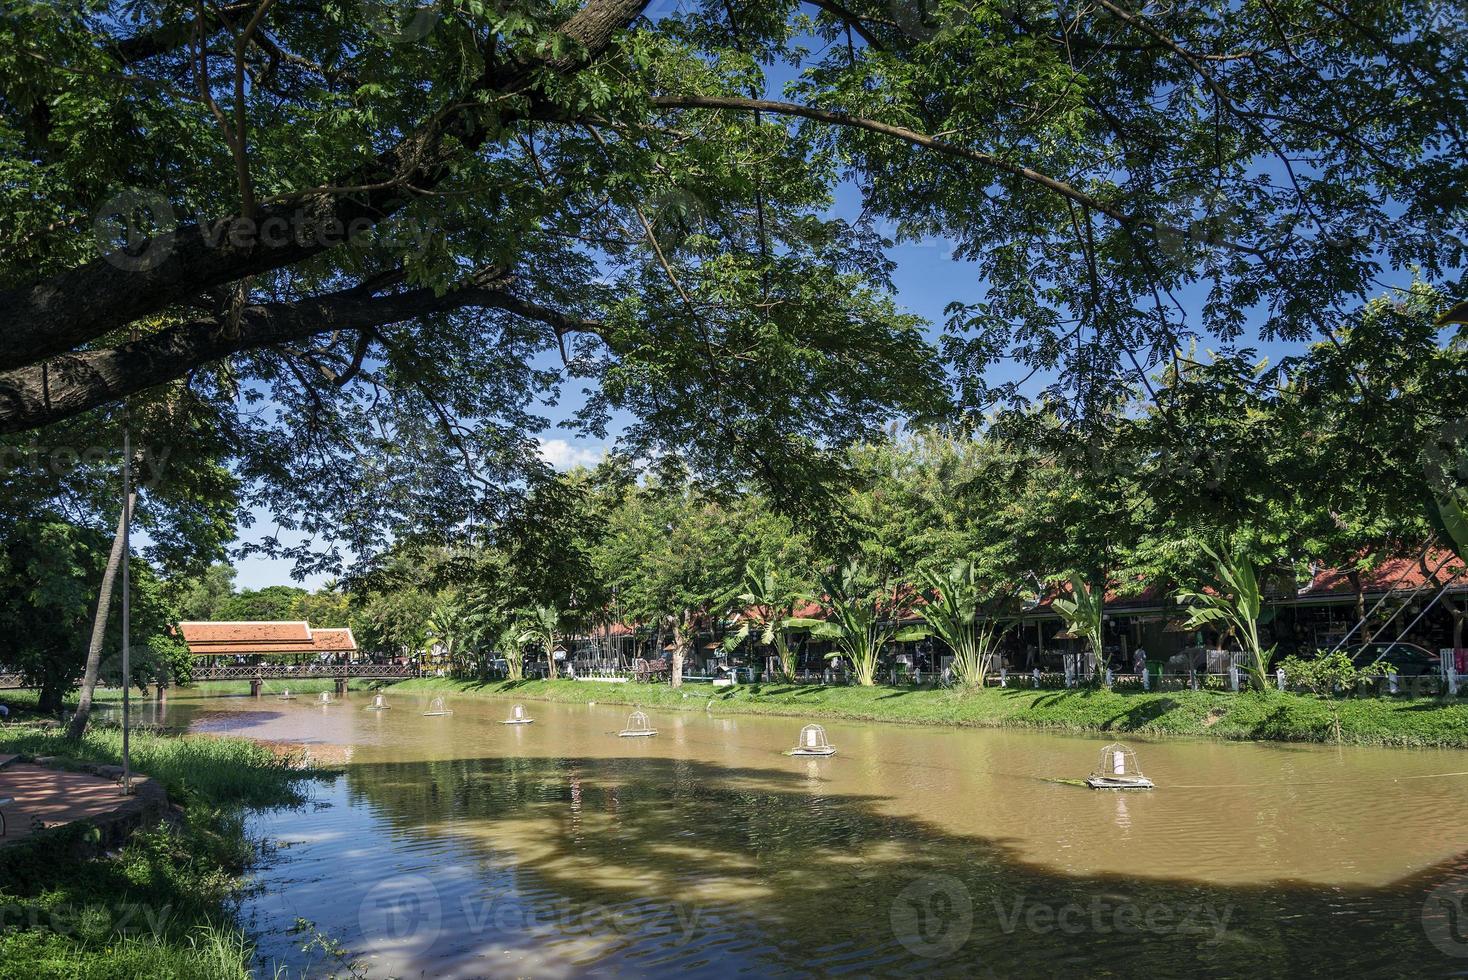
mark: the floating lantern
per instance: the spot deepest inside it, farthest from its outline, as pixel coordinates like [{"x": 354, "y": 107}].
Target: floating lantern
[
  {"x": 436, "y": 708},
  {"x": 518, "y": 716},
  {"x": 813, "y": 742},
  {"x": 379, "y": 703},
  {"x": 326, "y": 697},
  {"x": 637, "y": 726},
  {"x": 1118, "y": 769}
]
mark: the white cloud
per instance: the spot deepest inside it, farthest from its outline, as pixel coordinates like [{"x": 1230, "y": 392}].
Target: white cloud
[{"x": 562, "y": 454}]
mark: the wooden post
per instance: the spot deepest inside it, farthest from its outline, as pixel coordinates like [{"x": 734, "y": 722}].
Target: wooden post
[{"x": 255, "y": 684}]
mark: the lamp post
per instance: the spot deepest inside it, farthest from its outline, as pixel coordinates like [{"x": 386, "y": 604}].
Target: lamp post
[{"x": 127, "y": 474}]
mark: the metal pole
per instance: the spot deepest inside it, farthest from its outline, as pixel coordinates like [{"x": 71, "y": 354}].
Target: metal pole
[{"x": 127, "y": 475}]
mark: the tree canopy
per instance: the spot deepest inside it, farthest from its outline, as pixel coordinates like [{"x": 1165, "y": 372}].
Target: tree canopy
[{"x": 365, "y": 249}]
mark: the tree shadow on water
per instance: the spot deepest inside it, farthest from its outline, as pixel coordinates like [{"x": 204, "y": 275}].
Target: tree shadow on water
[{"x": 796, "y": 878}]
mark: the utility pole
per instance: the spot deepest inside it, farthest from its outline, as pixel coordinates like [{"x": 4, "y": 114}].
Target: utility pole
[{"x": 127, "y": 475}]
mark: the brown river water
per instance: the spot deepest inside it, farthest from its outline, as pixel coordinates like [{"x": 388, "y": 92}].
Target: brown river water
[{"x": 456, "y": 846}]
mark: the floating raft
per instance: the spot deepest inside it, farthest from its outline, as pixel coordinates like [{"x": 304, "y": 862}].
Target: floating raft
[
  {"x": 1118, "y": 769},
  {"x": 637, "y": 727},
  {"x": 813, "y": 742},
  {"x": 1119, "y": 782}
]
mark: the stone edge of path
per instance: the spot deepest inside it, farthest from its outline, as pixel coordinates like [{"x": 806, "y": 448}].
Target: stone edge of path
[{"x": 145, "y": 807}]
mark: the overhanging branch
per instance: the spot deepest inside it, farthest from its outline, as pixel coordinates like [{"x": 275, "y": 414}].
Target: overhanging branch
[{"x": 40, "y": 394}]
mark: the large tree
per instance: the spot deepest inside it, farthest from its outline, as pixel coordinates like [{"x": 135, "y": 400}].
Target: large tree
[{"x": 360, "y": 233}]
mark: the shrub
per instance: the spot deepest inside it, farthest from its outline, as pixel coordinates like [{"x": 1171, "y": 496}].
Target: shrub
[{"x": 1327, "y": 673}]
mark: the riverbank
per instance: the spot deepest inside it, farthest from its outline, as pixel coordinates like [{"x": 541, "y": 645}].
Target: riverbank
[
  {"x": 160, "y": 905},
  {"x": 1274, "y": 716}
]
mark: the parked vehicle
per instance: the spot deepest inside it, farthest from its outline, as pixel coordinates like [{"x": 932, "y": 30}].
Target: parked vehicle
[{"x": 1409, "y": 659}]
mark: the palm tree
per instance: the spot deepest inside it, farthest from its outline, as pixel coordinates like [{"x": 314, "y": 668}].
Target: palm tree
[
  {"x": 1235, "y": 602},
  {"x": 443, "y": 630},
  {"x": 769, "y": 608},
  {"x": 1083, "y": 612},
  {"x": 952, "y": 607},
  {"x": 543, "y": 628},
  {"x": 510, "y": 644},
  {"x": 854, "y": 621}
]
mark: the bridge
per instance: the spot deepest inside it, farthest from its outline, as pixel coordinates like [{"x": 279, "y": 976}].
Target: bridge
[
  {"x": 341, "y": 673},
  {"x": 257, "y": 673}
]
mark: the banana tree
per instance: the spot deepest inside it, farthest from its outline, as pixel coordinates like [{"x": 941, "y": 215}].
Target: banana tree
[
  {"x": 1234, "y": 603},
  {"x": 543, "y": 628},
  {"x": 510, "y": 645},
  {"x": 953, "y": 610},
  {"x": 442, "y": 631},
  {"x": 1082, "y": 613},
  {"x": 769, "y": 613},
  {"x": 854, "y": 621}
]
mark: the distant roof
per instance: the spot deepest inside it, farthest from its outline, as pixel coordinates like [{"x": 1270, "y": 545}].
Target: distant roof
[
  {"x": 1393, "y": 574},
  {"x": 206, "y": 639}
]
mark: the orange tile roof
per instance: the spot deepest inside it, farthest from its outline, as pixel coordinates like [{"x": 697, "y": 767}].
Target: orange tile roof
[
  {"x": 218, "y": 638},
  {"x": 1392, "y": 574},
  {"x": 246, "y": 631},
  {"x": 333, "y": 640}
]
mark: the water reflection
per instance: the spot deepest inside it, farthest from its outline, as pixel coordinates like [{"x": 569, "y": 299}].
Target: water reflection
[{"x": 558, "y": 849}]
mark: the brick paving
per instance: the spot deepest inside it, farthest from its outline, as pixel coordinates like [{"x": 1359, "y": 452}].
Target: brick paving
[{"x": 53, "y": 797}]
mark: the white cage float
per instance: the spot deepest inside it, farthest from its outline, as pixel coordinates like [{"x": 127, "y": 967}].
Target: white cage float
[
  {"x": 379, "y": 703},
  {"x": 813, "y": 742},
  {"x": 286, "y": 695},
  {"x": 326, "y": 698},
  {"x": 637, "y": 726},
  {"x": 1117, "y": 768},
  {"x": 436, "y": 708},
  {"x": 518, "y": 716}
]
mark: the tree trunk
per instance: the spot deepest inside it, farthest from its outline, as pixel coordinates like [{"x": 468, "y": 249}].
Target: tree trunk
[
  {"x": 1459, "y": 614},
  {"x": 1355, "y": 580},
  {"x": 550, "y": 658},
  {"x": 99, "y": 629},
  {"x": 680, "y": 648}
]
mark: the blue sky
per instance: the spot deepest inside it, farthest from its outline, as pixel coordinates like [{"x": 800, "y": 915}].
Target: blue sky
[{"x": 927, "y": 279}]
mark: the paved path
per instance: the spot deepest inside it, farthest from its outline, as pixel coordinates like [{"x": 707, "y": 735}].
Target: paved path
[{"x": 53, "y": 796}]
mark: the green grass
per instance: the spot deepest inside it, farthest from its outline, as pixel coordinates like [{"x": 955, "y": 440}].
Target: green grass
[
  {"x": 1212, "y": 714},
  {"x": 160, "y": 906}
]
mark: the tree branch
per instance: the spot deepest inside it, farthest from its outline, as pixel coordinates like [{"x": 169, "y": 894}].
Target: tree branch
[
  {"x": 916, "y": 138},
  {"x": 40, "y": 394},
  {"x": 86, "y": 302}
]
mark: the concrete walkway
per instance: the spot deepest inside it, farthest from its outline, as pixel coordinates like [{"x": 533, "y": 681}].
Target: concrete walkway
[{"x": 49, "y": 797}]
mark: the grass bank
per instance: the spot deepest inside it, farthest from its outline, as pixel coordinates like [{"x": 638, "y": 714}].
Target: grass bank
[
  {"x": 1275, "y": 716},
  {"x": 161, "y": 906}
]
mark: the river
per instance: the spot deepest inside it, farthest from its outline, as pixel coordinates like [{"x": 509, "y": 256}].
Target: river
[{"x": 457, "y": 846}]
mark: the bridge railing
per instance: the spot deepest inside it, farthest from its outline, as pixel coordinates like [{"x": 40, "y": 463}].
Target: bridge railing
[{"x": 245, "y": 672}]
